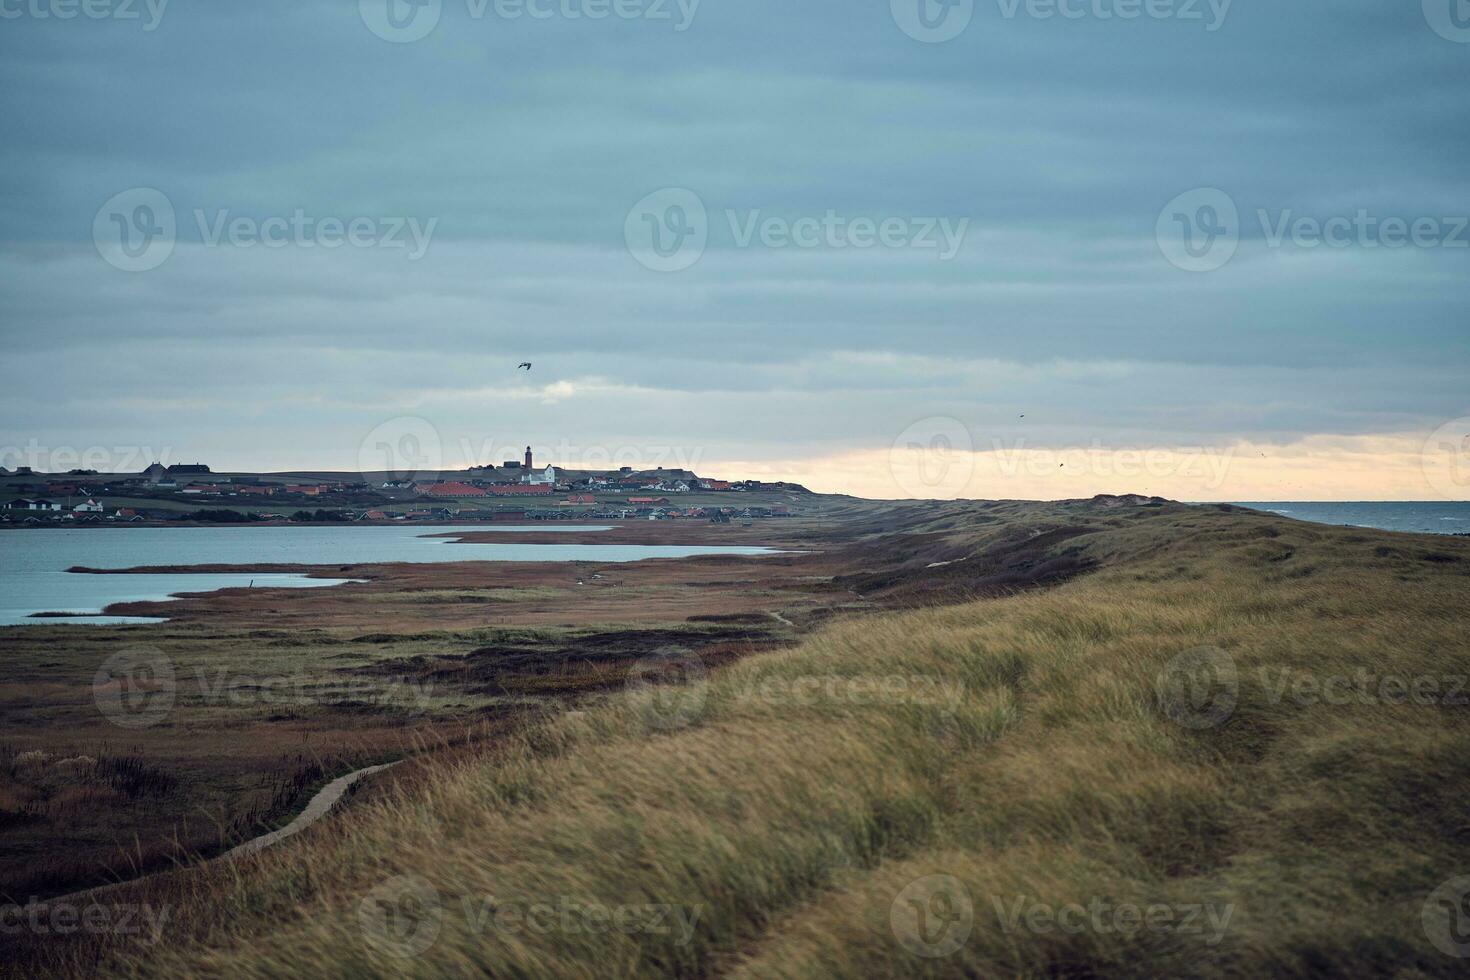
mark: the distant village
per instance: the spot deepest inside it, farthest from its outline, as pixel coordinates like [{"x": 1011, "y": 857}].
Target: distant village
[{"x": 516, "y": 490}]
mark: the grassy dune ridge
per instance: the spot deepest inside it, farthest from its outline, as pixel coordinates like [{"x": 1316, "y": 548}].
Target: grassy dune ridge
[{"x": 1029, "y": 785}]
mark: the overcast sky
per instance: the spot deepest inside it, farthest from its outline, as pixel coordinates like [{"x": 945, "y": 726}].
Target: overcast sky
[{"x": 885, "y": 233}]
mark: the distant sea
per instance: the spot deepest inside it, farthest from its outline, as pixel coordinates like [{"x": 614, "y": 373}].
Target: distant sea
[{"x": 1431, "y": 517}]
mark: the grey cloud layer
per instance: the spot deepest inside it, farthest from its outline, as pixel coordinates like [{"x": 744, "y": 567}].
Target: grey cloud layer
[{"x": 528, "y": 140}]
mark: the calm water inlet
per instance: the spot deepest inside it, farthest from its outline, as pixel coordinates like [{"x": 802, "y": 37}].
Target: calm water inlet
[{"x": 34, "y": 577}]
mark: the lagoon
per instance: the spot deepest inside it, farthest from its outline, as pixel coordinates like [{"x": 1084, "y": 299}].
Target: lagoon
[{"x": 34, "y": 577}]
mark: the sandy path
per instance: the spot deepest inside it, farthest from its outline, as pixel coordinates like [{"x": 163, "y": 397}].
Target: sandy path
[
  {"x": 319, "y": 806},
  {"x": 323, "y": 801}
]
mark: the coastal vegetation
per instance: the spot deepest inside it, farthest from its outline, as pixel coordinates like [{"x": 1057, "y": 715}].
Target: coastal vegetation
[{"x": 1096, "y": 738}]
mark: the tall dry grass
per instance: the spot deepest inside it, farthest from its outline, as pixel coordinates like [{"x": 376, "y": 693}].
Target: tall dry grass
[{"x": 804, "y": 815}]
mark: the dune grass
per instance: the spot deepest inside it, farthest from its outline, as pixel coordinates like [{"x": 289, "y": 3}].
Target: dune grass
[{"x": 1240, "y": 748}]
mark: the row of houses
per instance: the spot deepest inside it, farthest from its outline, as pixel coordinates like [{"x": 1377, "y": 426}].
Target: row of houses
[
  {"x": 458, "y": 488},
  {"x": 90, "y": 506},
  {"x": 91, "y": 512},
  {"x": 262, "y": 489}
]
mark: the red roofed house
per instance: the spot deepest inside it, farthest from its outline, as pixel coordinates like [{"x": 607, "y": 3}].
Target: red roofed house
[
  {"x": 451, "y": 490},
  {"x": 522, "y": 490}
]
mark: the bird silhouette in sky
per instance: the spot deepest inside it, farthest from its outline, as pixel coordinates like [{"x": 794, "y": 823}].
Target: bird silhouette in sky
[{"x": 524, "y": 364}]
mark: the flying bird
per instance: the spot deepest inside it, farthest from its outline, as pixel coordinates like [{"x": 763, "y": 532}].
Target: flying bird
[{"x": 524, "y": 364}]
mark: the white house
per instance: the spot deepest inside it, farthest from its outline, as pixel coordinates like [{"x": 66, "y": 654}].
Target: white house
[
  {"x": 546, "y": 477},
  {"x": 90, "y": 507}
]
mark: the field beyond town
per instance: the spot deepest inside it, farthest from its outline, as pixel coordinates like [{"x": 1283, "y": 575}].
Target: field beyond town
[{"x": 1111, "y": 737}]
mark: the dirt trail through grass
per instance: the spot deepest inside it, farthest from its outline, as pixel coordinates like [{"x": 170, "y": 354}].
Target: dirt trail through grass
[{"x": 317, "y": 807}]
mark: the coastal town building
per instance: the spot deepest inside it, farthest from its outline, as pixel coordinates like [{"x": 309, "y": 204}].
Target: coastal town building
[
  {"x": 546, "y": 476},
  {"x": 36, "y": 504},
  {"x": 520, "y": 489},
  {"x": 451, "y": 490}
]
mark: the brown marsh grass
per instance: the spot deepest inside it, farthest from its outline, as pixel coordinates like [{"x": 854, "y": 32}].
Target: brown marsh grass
[{"x": 1059, "y": 783}]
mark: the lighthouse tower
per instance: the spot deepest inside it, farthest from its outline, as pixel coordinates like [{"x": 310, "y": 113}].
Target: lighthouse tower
[{"x": 528, "y": 459}]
